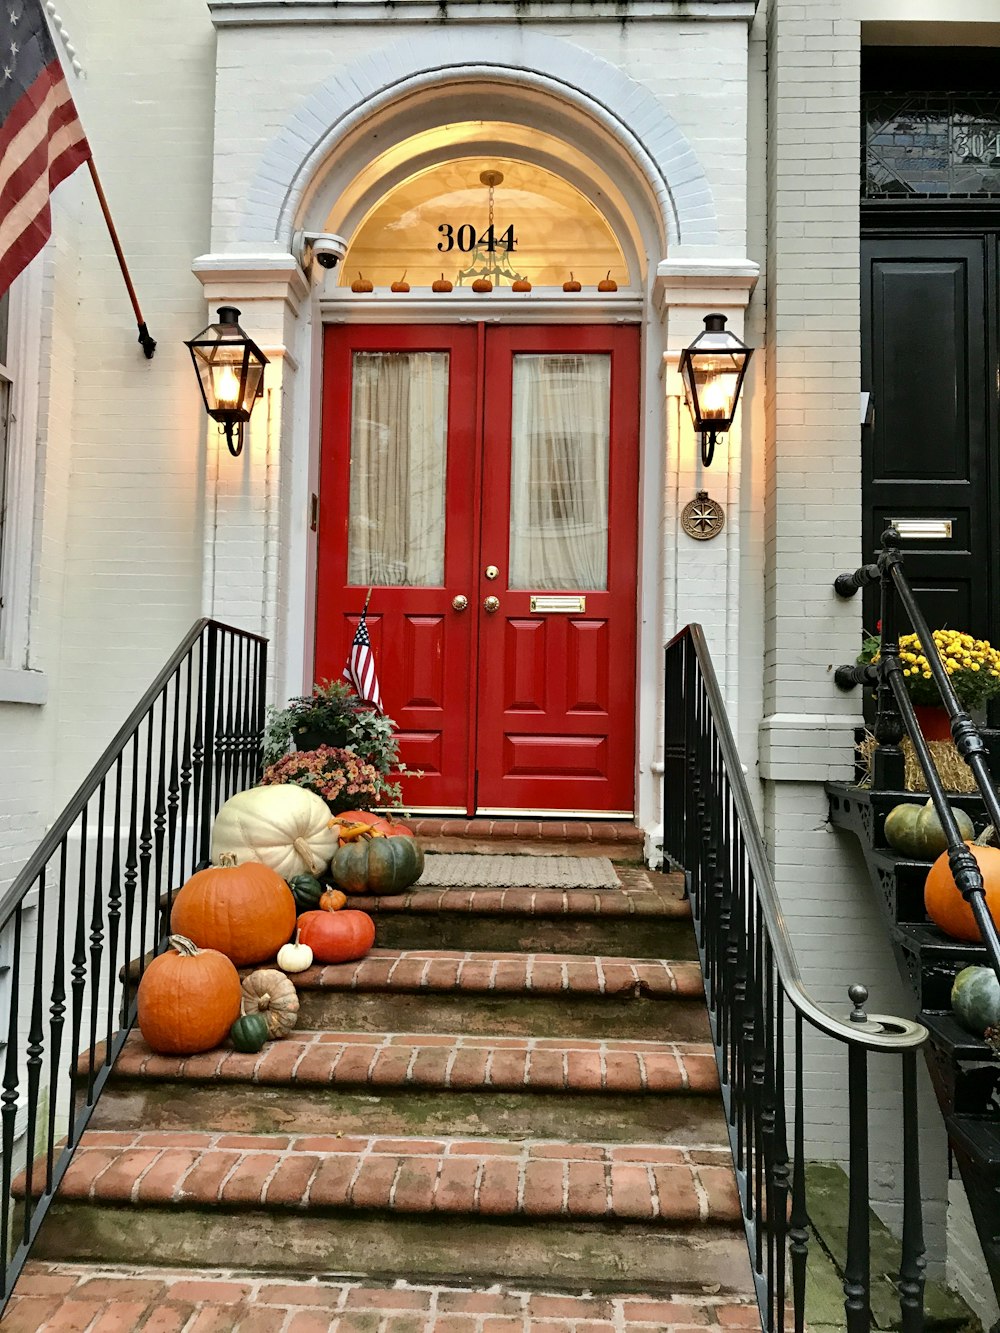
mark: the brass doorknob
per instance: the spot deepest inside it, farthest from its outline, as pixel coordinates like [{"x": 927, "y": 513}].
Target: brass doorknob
[
  {"x": 459, "y": 603},
  {"x": 491, "y": 605},
  {"x": 492, "y": 572}
]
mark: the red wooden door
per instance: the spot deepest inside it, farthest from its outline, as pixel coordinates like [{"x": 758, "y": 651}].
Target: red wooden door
[
  {"x": 555, "y": 722},
  {"x": 488, "y": 463}
]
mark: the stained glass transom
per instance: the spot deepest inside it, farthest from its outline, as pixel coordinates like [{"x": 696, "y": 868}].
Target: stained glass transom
[{"x": 926, "y": 145}]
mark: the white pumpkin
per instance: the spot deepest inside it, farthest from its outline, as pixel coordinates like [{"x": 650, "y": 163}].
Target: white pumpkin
[{"x": 286, "y": 827}]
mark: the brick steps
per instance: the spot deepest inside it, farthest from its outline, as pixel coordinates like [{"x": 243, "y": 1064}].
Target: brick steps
[
  {"x": 613, "y": 1212},
  {"x": 540, "y": 837},
  {"x": 448, "y": 991},
  {"x": 430, "y": 1085},
  {"x": 206, "y": 1301},
  {"x": 648, "y": 915}
]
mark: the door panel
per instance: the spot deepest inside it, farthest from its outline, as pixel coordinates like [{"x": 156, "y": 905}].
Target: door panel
[
  {"x": 399, "y": 444},
  {"x": 925, "y": 360},
  {"x": 559, "y": 521}
]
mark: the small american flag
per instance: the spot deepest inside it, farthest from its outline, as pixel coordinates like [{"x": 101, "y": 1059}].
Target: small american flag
[
  {"x": 360, "y": 669},
  {"x": 41, "y": 140}
]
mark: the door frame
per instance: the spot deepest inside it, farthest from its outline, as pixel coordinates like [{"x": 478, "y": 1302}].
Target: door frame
[{"x": 626, "y": 308}]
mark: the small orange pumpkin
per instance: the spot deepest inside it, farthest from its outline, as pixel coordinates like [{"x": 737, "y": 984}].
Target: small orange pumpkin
[
  {"x": 245, "y": 911},
  {"x": 188, "y": 999},
  {"x": 520, "y": 285},
  {"x": 607, "y": 284},
  {"x": 332, "y": 900},
  {"x": 337, "y": 937},
  {"x": 482, "y": 285},
  {"x": 945, "y": 905},
  {"x": 400, "y": 285},
  {"x": 441, "y": 284},
  {"x": 572, "y": 285},
  {"x": 362, "y": 284}
]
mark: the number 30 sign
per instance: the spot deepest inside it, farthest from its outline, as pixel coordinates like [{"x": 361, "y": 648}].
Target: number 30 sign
[{"x": 464, "y": 238}]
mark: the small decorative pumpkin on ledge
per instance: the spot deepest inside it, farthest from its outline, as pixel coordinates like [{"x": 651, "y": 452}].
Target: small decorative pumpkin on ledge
[
  {"x": 482, "y": 285},
  {"x": 571, "y": 285},
  {"x": 520, "y": 285},
  {"x": 607, "y": 284},
  {"x": 269, "y": 992},
  {"x": 400, "y": 285},
  {"x": 362, "y": 284},
  {"x": 915, "y": 830},
  {"x": 441, "y": 284}
]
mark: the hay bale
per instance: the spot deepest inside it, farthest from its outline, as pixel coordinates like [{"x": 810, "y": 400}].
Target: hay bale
[{"x": 954, "y": 772}]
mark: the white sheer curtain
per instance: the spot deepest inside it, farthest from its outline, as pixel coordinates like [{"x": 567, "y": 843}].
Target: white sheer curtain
[
  {"x": 399, "y": 455},
  {"x": 559, "y": 471}
]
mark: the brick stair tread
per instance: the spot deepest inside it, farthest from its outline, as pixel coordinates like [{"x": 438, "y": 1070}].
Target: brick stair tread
[
  {"x": 477, "y": 972},
  {"x": 642, "y": 893},
  {"x": 209, "y": 1301},
  {"x": 530, "y": 1179},
  {"x": 527, "y": 830},
  {"x": 439, "y": 1061}
]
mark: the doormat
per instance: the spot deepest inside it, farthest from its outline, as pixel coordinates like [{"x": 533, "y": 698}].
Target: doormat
[{"x": 458, "y": 871}]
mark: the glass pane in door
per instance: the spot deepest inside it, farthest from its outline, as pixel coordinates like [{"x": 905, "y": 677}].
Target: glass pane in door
[
  {"x": 399, "y": 455},
  {"x": 560, "y": 436}
]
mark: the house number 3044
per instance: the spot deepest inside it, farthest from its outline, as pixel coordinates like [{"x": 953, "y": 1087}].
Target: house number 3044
[{"x": 466, "y": 239}]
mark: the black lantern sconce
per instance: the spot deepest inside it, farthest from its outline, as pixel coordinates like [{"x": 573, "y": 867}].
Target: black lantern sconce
[
  {"x": 713, "y": 368},
  {"x": 230, "y": 369}
]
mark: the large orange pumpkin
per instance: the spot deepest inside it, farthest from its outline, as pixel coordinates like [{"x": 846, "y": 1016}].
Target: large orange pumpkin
[
  {"x": 945, "y": 905},
  {"x": 188, "y": 999},
  {"x": 245, "y": 911},
  {"x": 337, "y": 937}
]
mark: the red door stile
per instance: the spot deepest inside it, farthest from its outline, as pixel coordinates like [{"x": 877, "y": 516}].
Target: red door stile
[
  {"x": 556, "y": 716},
  {"x": 424, "y": 647}
]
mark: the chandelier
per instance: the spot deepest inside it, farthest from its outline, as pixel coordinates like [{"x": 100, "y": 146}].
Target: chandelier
[{"x": 493, "y": 264}]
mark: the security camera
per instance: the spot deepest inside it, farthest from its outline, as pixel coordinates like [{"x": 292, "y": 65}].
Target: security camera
[{"x": 327, "y": 250}]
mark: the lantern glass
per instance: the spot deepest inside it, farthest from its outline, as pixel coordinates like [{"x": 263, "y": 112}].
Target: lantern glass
[
  {"x": 713, "y": 368},
  {"x": 230, "y": 368}
]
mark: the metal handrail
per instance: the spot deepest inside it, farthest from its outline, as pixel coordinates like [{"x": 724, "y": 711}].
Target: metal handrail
[
  {"x": 895, "y": 715},
  {"x": 753, "y": 987},
  {"x": 877, "y": 1032},
  {"x": 92, "y": 904}
]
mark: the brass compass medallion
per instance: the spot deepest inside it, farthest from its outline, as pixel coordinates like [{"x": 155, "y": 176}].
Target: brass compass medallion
[{"x": 703, "y": 518}]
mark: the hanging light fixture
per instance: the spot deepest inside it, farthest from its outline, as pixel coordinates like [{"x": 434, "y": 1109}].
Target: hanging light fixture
[
  {"x": 713, "y": 368},
  {"x": 484, "y": 263},
  {"x": 230, "y": 369}
]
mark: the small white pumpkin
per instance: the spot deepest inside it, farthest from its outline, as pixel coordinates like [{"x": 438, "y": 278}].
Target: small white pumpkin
[
  {"x": 295, "y": 957},
  {"x": 286, "y": 827}
]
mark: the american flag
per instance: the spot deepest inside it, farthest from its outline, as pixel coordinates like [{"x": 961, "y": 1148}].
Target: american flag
[
  {"x": 360, "y": 668},
  {"x": 41, "y": 140}
]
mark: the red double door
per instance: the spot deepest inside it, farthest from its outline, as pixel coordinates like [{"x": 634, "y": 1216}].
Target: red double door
[{"x": 483, "y": 481}]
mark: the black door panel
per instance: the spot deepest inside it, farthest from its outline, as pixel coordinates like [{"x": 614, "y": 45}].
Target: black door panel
[{"x": 927, "y": 360}]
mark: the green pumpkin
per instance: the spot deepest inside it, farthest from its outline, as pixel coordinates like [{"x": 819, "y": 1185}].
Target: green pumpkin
[
  {"x": 249, "y": 1033},
  {"x": 915, "y": 830},
  {"x": 975, "y": 998},
  {"x": 307, "y": 891},
  {"x": 377, "y": 865}
]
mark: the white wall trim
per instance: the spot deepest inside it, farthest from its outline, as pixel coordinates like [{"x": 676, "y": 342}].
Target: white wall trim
[{"x": 253, "y": 13}]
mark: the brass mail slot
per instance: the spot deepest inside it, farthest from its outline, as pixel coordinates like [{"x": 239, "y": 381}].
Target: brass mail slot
[
  {"x": 565, "y": 604},
  {"x": 926, "y": 529}
]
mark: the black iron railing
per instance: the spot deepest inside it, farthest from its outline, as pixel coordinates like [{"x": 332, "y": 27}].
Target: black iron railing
[
  {"x": 895, "y": 717},
  {"x": 96, "y": 895},
  {"x": 759, "y": 1009}
]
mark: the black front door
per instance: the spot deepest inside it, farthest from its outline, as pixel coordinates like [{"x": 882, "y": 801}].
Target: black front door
[{"x": 929, "y": 360}]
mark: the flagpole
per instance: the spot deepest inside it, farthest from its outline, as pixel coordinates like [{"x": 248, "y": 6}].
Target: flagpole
[
  {"x": 147, "y": 343},
  {"x": 367, "y": 600}
]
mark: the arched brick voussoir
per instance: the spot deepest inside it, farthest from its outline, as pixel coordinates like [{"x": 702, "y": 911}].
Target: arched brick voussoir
[{"x": 527, "y": 59}]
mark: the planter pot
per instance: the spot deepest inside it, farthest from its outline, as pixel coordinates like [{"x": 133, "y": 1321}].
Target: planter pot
[
  {"x": 934, "y": 721},
  {"x": 310, "y": 739}
]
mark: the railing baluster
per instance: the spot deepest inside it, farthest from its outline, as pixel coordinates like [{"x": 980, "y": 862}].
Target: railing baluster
[
  {"x": 57, "y": 1015},
  {"x": 35, "y": 1051},
  {"x": 10, "y": 1096},
  {"x": 912, "y": 1263},
  {"x": 96, "y": 945},
  {"x": 857, "y": 1267},
  {"x": 799, "y": 1220}
]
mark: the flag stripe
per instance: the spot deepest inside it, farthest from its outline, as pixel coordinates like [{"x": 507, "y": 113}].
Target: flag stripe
[
  {"x": 359, "y": 671},
  {"x": 41, "y": 138}
]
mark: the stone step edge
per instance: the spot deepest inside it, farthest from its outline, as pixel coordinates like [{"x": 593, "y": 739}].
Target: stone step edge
[
  {"x": 45, "y": 1291},
  {"x": 527, "y": 830},
  {"x": 525, "y": 974},
  {"x": 432, "y": 1061},
  {"x": 529, "y": 1179}
]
